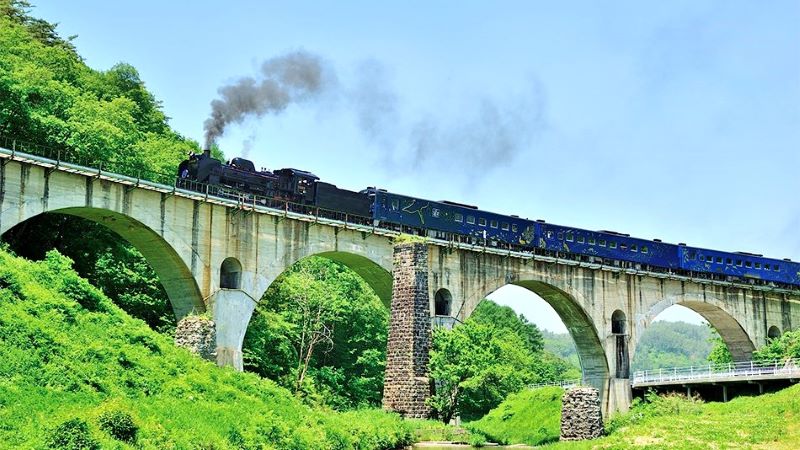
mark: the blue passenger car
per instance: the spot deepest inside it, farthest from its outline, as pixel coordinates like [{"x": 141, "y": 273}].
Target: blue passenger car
[
  {"x": 608, "y": 245},
  {"x": 449, "y": 217},
  {"x": 739, "y": 264}
]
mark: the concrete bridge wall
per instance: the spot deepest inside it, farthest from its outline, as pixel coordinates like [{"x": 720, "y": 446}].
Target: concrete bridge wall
[{"x": 186, "y": 238}]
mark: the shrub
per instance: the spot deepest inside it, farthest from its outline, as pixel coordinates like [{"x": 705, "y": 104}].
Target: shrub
[
  {"x": 72, "y": 434},
  {"x": 119, "y": 425}
]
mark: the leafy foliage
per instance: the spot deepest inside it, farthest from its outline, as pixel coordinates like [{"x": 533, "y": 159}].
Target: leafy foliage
[
  {"x": 50, "y": 97},
  {"x": 118, "y": 424},
  {"x": 786, "y": 346},
  {"x": 321, "y": 331},
  {"x": 62, "y": 365},
  {"x": 72, "y": 434}
]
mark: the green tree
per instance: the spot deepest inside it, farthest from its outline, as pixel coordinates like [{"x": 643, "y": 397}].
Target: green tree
[
  {"x": 719, "y": 352},
  {"x": 49, "y": 97},
  {"x": 504, "y": 317},
  {"x": 321, "y": 330},
  {"x": 786, "y": 346}
]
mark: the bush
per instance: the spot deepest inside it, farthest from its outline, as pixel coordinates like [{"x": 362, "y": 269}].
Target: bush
[
  {"x": 119, "y": 425},
  {"x": 73, "y": 434}
]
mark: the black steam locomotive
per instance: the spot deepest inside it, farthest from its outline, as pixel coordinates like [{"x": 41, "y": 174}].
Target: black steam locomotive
[{"x": 288, "y": 186}]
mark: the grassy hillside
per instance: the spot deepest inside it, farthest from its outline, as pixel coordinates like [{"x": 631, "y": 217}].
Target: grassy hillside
[
  {"x": 531, "y": 417},
  {"x": 770, "y": 421},
  {"x": 75, "y": 371}
]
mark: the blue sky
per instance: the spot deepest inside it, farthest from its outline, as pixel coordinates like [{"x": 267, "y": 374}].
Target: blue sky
[{"x": 678, "y": 120}]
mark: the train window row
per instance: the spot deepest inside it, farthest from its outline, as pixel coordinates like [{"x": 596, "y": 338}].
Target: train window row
[
  {"x": 740, "y": 263},
  {"x": 458, "y": 217},
  {"x": 603, "y": 243}
]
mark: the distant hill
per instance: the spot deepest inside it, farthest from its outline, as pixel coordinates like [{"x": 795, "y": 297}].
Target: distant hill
[{"x": 664, "y": 344}]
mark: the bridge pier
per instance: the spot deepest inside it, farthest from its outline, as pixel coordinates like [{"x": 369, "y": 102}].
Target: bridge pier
[
  {"x": 231, "y": 310},
  {"x": 407, "y": 385}
]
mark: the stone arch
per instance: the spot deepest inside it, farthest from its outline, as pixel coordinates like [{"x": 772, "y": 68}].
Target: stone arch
[
  {"x": 567, "y": 304},
  {"x": 376, "y": 276},
  {"x": 773, "y": 333},
  {"x": 230, "y": 274},
  {"x": 443, "y": 302},
  {"x": 181, "y": 287},
  {"x": 715, "y": 313}
]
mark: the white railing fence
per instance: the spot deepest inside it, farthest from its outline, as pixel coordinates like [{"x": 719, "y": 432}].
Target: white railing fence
[
  {"x": 787, "y": 368},
  {"x": 566, "y": 384}
]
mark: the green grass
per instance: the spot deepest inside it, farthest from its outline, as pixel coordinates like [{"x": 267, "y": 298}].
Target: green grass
[
  {"x": 532, "y": 417},
  {"x": 67, "y": 352},
  {"x": 770, "y": 421}
]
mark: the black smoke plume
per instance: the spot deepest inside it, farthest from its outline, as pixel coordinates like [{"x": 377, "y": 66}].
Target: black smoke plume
[{"x": 292, "y": 78}]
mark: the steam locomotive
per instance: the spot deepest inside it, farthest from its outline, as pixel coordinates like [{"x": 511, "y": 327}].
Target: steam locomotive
[{"x": 466, "y": 223}]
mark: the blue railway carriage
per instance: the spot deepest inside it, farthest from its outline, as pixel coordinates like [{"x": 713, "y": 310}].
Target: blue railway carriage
[
  {"x": 443, "y": 217},
  {"x": 608, "y": 245},
  {"x": 739, "y": 264}
]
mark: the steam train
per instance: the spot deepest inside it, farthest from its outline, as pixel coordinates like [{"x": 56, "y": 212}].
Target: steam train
[{"x": 466, "y": 223}]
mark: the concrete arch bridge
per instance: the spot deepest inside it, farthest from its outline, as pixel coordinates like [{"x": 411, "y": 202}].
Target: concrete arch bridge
[{"x": 220, "y": 255}]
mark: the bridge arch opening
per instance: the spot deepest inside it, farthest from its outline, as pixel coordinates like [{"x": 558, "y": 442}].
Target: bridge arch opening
[
  {"x": 230, "y": 274},
  {"x": 58, "y": 229},
  {"x": 443, "y": 301},
  {"x": 568, "y": 331},
  {"x": 324, "y": 318},
  {"x": 681, "y": 332},
  {"x": 773, "y": 333}
]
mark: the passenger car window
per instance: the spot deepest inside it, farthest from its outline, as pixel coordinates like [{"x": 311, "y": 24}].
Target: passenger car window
[
  {"x": 458, "y": 217},
  {"x": 493, "y": 224},
  {"x": 570, "y": 237},
  {"x": 481, "y": 221},
  {"x": 581, "y": 239},
  {"x": 395, "y": 204},
  {"x": 471, "y": 220},
  {"x": 514, "y": 227},
  {"x": 612, "y": 244},
  {"x": 504, "y": 226},
  {"x": 601, "y": 242},
  {"x": 644, "y": 249}
]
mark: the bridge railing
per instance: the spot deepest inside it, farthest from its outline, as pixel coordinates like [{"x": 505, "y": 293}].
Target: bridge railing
[
  {"x": 566, "y": 384},
  {"x": 709, "y": 372}
]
